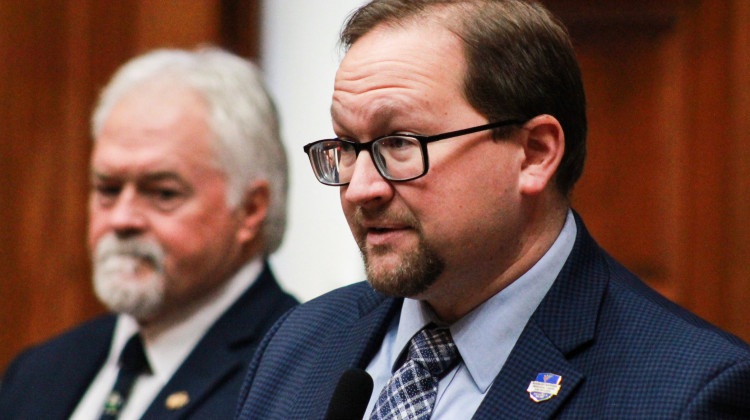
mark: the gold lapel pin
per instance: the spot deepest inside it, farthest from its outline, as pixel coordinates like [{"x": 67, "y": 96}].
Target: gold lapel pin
[{"x": 177, "y": 400}]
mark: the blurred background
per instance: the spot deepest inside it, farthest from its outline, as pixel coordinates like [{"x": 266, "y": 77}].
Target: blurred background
[{"x": 666, "y": 188}]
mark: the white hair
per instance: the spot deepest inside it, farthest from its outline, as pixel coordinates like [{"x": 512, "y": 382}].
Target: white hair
[{"x": 243, "y": 119}]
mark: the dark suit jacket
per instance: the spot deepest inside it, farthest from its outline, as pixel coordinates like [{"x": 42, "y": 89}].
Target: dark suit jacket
[
  {"x": 623, "y": 351},
  {"x": 47, "y": 381}
]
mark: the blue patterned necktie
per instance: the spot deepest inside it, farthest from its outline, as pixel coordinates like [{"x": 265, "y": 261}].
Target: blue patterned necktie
[
  {"x": 411, "y": 391},
  {"x": 133, "y": 363}
]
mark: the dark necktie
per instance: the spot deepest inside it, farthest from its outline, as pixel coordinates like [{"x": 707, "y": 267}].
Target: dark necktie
[
  {"x": 411, "y": 391},
  {"x": 133, "y": 363}
]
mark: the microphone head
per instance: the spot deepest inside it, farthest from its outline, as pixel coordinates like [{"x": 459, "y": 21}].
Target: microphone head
[{"x": 350, "y": 398}]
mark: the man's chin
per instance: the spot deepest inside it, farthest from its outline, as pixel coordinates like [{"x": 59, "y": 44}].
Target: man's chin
[
  {"x": 137, "y": 296},
  {"x": 129, "y": 280},
  {"x": 400, "y": 278}
]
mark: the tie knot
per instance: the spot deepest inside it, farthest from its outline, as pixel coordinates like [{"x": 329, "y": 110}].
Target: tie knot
[
  {"x": 434, "y": 349},
  {"x": 133, "y": 357}
]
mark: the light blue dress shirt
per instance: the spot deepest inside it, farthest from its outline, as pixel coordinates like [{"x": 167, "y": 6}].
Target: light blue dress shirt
[{"x": 485, "y": 336}]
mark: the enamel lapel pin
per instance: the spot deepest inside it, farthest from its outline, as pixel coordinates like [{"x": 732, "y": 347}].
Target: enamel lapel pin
[{"x": 546, "y": 386}]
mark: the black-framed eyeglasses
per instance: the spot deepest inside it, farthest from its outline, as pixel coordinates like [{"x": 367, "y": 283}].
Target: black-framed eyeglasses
[{"x": 400, "y": 157}]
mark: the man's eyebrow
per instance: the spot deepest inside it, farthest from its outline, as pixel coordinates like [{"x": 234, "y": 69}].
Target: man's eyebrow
[
  {"x": 161, "y": 176},
  {"x": 148, "y": 177},
  {"x": 96, "y": 175},
  {"x": 380, "y": 119}
]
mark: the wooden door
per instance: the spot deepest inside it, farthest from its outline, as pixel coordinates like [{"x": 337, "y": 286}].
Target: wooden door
[{"x": 667, "y": 180}]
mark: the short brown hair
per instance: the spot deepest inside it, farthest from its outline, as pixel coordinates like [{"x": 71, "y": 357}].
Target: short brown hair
[{"x": 520, "y": 63}]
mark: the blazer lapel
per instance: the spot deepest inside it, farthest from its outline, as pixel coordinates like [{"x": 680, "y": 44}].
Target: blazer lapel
[
  {"x": 350, "y": 346},
  {"x": 223, "y": 351},
  {"x": 564, "y": 322},
  {"x": 508, "y": 396},
  {"x": 206, "y": 368}
]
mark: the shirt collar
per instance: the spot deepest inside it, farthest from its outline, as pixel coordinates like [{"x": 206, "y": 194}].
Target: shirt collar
[{"x": 487, "y": 334}]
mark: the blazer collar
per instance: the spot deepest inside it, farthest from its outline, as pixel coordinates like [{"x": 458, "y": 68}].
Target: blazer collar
[
  {"x": 564, "y": 322},
  {"x": 569, "y": 312}
]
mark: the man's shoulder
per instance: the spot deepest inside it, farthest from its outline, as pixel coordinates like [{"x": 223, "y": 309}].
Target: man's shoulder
[
  {"x": 639, "y": 314},
  {"x": 304, "y": 328},
  {"x": 662, "y": 322},
  {"x": 336, "y": 307},
  {"x": 69, "y": 358},
  {"x": 84, "y": 335},
  {"x": 305, "y": 353},
  {"x": 668, "y": 359}
]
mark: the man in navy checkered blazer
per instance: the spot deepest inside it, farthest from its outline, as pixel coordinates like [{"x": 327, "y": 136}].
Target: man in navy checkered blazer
[{"x": 461, "y": 132}]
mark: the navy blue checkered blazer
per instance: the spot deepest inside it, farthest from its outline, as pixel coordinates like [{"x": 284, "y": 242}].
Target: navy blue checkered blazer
[{"x": 623, "y": 351}]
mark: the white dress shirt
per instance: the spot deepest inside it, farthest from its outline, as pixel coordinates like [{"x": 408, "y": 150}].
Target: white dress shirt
[
  {"x": 166, "y": 348},
  {"x": 484, "y": 337}
]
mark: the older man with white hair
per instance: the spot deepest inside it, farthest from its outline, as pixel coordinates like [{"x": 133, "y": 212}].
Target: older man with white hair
[{"x": 188, "y": 197}]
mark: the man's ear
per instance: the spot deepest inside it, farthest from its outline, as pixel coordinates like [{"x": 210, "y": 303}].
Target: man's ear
[
  {"x": 543, "y": 144},
  {"x": 253, "y": 210}
]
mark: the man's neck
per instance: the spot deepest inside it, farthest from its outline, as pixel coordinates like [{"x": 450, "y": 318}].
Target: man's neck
[{"x": 458, "y": 293}]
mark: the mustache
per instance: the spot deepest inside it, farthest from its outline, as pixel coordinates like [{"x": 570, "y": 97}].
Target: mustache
[
  {"x": 111, "y": 246},
  {"x": 389, "y": 216}
]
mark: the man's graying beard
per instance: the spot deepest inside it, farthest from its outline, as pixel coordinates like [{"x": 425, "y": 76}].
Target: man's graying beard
[{"x": 117, "y": 281}]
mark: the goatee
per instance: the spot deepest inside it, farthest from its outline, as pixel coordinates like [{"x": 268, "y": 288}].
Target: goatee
[
  {"x": 417, "y": 270},
  {"x": 117, "y": 283}
]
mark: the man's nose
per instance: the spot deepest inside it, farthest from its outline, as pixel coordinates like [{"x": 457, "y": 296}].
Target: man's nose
[
  {"x": 127, "y": 216},
  {"x": 367, "y": 186}
]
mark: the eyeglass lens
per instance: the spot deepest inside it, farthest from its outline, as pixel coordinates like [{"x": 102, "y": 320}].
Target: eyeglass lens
[{"x": 395, "y": 157}]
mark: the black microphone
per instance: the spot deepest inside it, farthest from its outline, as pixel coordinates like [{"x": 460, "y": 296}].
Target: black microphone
[{"x": 351, "y": 396}]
